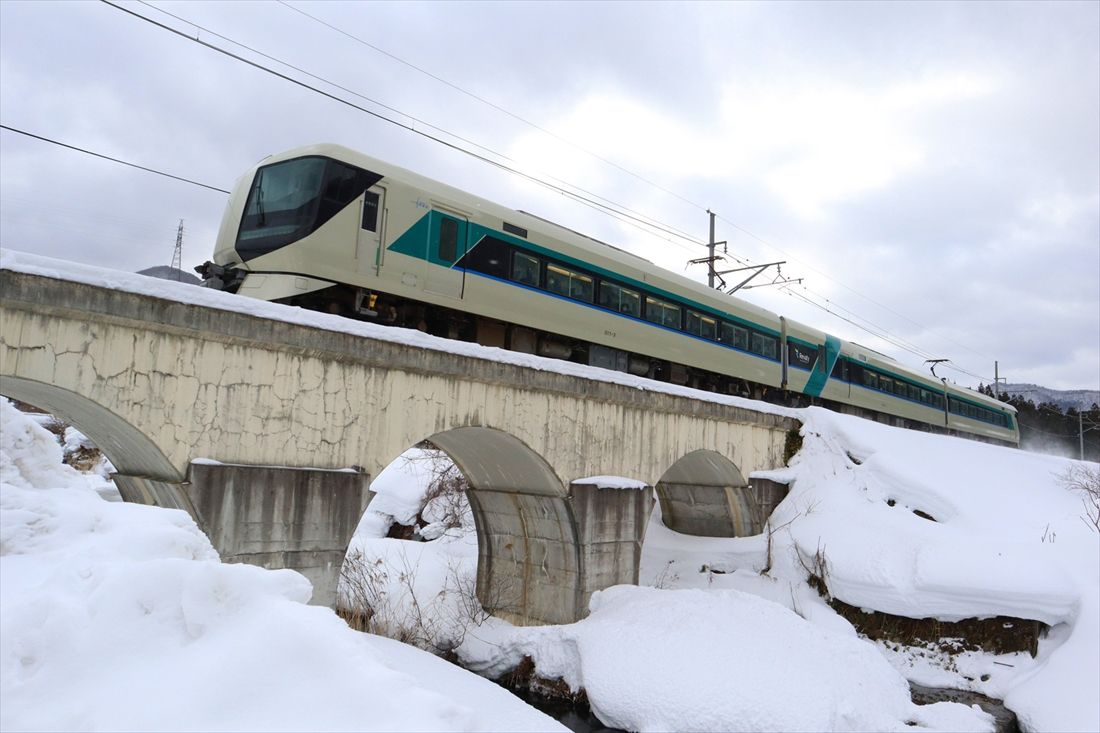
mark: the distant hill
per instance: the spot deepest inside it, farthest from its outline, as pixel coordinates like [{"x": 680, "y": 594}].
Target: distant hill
[
  {"x": 1080, "y": 399},
  {"x": 164, "y": 272}
]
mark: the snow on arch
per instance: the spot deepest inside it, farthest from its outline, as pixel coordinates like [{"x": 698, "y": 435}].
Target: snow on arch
[{"x": 611, "y": 482}]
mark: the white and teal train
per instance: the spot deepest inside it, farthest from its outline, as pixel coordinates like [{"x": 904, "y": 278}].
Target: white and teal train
[{"x": 331, "y": 229}]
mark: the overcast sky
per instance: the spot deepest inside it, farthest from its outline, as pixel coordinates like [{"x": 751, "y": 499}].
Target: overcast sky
[{"x": 932, "y": 169}]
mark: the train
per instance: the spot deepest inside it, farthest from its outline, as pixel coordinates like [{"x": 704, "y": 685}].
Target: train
[{"x": 328, "y": 228}]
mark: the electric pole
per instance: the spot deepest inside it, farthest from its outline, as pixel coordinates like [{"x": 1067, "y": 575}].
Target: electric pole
[
  {"x": 710, "y": 252},
  {"x": 177, "y": 255},
  {"x": 997, "y": 379},
  {"x": 715, "y": 274}
]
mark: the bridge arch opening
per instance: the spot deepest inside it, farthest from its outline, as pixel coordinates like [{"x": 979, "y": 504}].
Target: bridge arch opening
[
  {"x": 705, "y": 494},
  {"x": 143, "y": 473},
  {"x": 523, "y": 562}
]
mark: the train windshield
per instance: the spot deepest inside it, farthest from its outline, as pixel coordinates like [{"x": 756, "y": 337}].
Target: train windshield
[{"x": 292, "y": 199}]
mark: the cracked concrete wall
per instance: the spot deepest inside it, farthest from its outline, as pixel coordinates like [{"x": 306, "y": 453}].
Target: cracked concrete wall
[
  {"x": 157, "y": 384},
  {"x": 197, "y": 382}
]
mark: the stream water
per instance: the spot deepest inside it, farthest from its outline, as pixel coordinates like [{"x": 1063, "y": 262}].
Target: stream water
[{"x": 578, "y": 716}]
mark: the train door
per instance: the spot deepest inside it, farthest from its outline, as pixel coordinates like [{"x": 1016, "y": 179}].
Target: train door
[
  {"x": 447, "y": 245},
  {"x": 369, "y": 249}
]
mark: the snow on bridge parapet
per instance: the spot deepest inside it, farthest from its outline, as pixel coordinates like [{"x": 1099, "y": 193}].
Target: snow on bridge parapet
[{"x": 189, "y": 294}]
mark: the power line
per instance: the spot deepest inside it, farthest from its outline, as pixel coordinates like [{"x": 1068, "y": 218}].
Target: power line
[
  {"x": 113, "y": 160},
  {"x": 1025, "y": 426},
  {"x": 877, "y": 331},
  {"x": 611, "y": 208},
  {"x": 841, "y": 284},
  {"x": 495, "y": 106}
]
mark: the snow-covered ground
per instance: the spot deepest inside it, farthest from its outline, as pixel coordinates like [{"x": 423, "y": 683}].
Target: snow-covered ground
[
  {"x": 751, "y": 651},
  {"x": 118, "y": 616},
  {"x": 99, "y": 596}
]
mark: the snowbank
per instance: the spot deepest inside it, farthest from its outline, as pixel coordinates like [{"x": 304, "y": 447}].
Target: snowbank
[
  {"x": 658, "y": 660},
  {"x": 1004, "y": 537},
  {"x": 120, "y": 617}
]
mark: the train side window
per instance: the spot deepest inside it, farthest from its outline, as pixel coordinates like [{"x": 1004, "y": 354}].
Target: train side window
[
  {"x": 569, "y": 283},
  {"x": 581, "y": 287},
  {"x": 870, "y": 379},
  {"x": 702, "y": 325},
  {"x": 619, "y": 299},
  {"x": 840, "y": 370},
  {"x": 764, "y": 345},
  {"x": 849, "y": 371},
  {"x": 525, "y": 269},
  {"x": 557, "y": 280},
  {"x": 448, "y": 239},
  {"x": 370, "y": 212},
  {"x": 662, "y": 312},
  {"x": 491, "y": 256},
  {"x": 885, "y": 384},
  {"x": 735, "y": 336},
  {"x": 771, "y": 347},
  {"x": 901, "y": 389}
]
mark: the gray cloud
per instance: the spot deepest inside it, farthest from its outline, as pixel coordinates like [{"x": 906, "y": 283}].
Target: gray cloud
[{"x": 940, "y": 158}]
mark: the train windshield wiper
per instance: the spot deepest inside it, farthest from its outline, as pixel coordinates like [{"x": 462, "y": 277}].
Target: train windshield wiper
[{"x": 260, "y": 199}]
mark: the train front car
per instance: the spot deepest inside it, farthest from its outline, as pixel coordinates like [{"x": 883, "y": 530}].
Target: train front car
[{"x": 304, "y": 211}]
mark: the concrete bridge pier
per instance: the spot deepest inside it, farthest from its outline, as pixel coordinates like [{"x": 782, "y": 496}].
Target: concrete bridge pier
[
  {"x": 275, "y": 517},
  {"x": 541, "y": 557},
  {"x": 611, "y": 529}
]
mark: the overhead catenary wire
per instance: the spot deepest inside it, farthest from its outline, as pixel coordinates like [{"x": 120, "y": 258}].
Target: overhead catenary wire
[
  {"x": 114, "y": 160},
  {"x": 589, "y": 198},
  {"x": 881, "y": 333},
  {"x": 850, "y": 289},
  {"x": 494, "y": 105}
]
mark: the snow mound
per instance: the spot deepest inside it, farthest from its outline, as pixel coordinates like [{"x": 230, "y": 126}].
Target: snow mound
[
  {"x": 930, "y": 526},
  {"x": 723, "y": 661},
  {"x": 120, "y": 617}
]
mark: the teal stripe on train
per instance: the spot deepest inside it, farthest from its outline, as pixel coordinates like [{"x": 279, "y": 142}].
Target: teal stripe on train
[
  {"x": 421, "y": 240},
  {"x": 823, "y": 367}
]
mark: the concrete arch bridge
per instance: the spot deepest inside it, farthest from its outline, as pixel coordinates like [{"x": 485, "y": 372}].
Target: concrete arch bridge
[{"x": 280, "y": 410}]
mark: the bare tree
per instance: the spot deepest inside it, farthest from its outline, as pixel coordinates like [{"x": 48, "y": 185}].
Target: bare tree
[
  {"x": 443, "y": 505},
  {"x": 1085, "y": 478}
]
